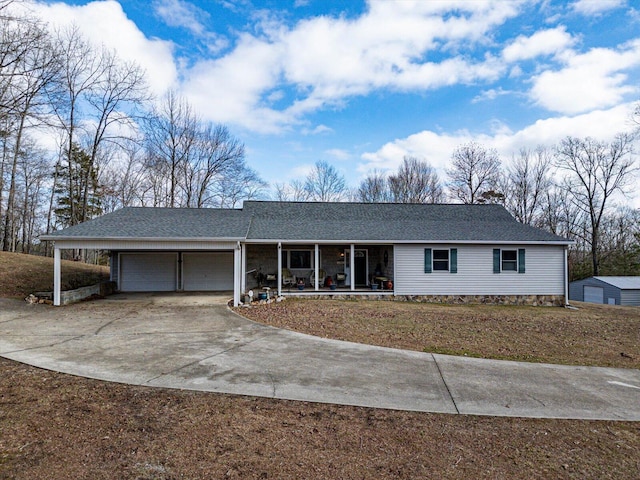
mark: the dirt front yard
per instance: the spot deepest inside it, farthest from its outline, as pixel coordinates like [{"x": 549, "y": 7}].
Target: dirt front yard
[{"x": 55, "y": 426}]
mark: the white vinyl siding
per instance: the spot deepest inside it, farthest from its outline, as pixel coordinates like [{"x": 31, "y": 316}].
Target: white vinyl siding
[
  {"x": 207, "y": 271},
  {"x": 148, "y": 272},
  {"x": 544, "y": 272}
]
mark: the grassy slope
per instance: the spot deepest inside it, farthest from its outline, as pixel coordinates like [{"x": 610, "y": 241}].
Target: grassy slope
[{"x": 22, "y": 274}]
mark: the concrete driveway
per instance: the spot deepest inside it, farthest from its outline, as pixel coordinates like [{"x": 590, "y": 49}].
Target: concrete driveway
[{"x": 194, "y": 342}]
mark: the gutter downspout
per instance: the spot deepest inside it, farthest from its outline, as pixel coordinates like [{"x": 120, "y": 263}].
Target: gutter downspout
[{"x": 566, "y": 276}]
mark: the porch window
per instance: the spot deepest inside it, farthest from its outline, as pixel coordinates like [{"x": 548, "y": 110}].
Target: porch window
[{"x": 302, "y": 259}]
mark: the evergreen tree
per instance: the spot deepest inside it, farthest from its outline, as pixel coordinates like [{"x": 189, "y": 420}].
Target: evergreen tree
[{"x": 77, "y": 181}]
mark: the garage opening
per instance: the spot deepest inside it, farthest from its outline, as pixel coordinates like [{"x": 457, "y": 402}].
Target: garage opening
[
  {"x": 148, "y": 272},
  {"x": 593, "y": 294},
  {"x": 207, "y": 272}
]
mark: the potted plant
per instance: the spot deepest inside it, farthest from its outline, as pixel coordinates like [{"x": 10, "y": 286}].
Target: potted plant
[{"x": 300, "y": 284}]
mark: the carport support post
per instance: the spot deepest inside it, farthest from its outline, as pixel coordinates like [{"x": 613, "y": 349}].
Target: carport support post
[
  {"x": 315, "y": 265},
  {"x": 237, "y": 260},
  {"x": 56, "y": 276},
  {"x": 243, "y": 269}
]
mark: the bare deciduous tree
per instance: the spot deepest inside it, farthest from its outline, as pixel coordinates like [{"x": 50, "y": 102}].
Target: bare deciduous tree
[
  {"x": 595, "y": 172},
  {"x": 474, "y": 171},
  {"x": 325, "y": 184},
  {"x": 293, "y": 191},
  {"x": 374, "y": 189},
  {"x": 527, "y": 182},
  {"x": 170, "y": 133},
  {"x": 415, "y": 182}
]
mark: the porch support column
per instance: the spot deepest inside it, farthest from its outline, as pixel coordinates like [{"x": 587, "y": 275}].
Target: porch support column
[
  {"x": 56, "y": 276},
  {"x": 279, "y": 269},
  {"x": 237, "y": 260},
  {"x": 352, "y": 266},
  {"x": 315, "y": 267},
  {"x": 243, "y": 268}
]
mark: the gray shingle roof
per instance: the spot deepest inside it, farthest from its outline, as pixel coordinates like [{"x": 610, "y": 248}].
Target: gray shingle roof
[
  {"x": 388, "y": 221},
  {"x": 164, "y": 223},
  {"x": 309, "y": 221}
]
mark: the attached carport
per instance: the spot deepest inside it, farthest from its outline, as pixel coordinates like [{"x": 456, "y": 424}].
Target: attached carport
[{"x": 163, "y": 249}]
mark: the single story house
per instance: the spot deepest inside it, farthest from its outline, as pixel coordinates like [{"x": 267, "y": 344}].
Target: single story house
[
  {"x": 609, "y": 290},
  {"x": 434, "y": 252}
]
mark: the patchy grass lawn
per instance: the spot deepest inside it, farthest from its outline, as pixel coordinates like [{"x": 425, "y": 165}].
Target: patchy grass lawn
[
  {"x": 64, "y": 427},
  {"x": 599, "y": 335},
  {"x": 21, "y": 274}
]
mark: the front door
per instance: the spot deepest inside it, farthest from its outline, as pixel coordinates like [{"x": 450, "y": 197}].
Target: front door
[{"x": 360, "y": 264}]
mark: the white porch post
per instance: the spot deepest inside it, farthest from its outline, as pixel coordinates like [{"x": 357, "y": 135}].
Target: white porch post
[
  {"x": 352, "y": 266},
  {"x": 279, "y": 269},
  {"x": 56, "y": 276},
  {"x": 315, "y": 266},
  {"x": 243, "y": 268},
  {"x": 237, "y": 255}
]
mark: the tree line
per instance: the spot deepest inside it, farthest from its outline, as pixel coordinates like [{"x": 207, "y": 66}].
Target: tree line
[{"x": 113, "y": 144}]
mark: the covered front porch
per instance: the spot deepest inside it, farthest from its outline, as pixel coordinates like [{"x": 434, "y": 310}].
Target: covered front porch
[{"x": 327, "y": 269}]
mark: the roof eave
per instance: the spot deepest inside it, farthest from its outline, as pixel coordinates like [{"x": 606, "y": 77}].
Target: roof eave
[
  {"x": 415, "y": 241},
  {"x": 54, "y": 238}
]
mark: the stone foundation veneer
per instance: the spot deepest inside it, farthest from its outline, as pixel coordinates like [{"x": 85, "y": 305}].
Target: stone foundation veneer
[{"x": 532, "y": 300}]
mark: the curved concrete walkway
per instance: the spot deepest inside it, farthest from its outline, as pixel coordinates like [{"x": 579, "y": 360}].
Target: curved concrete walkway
[{"x": 195, "y": 342}]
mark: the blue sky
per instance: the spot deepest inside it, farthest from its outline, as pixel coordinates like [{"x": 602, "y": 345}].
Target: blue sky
[{"x": 361, "y": 84}]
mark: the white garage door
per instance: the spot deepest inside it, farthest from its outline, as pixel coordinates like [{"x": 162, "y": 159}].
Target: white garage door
[
  {"x": 207, "y": 271},
  {"x": 593, "y": 294},
  {"x": 148, "y": 272}
]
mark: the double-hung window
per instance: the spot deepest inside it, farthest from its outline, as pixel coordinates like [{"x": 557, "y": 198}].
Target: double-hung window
[
  {"x": 508, "y": 260},
  {"x": 441, "y": 260}
]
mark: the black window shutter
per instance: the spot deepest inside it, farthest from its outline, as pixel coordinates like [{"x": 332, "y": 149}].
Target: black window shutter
[
  {"x": 496, "y": 260},
  {"x": 427, "y": 260},
  {"x": 521, "y": 263}
]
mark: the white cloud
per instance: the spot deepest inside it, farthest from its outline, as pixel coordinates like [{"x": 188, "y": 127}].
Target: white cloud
[
  {"x": 318, "y": 130},
  {"x": 491, "y": 94},
  {"x": 596, "y": 7},
  {"x": 589, "y": 81},
  {"x": 544, "y": 42},
  {"x": 106, "y": 23},
  {"x": 178, "y": 13},
  {"x": 394, "y": 45},
  {"x": 338, "y": 154},
  {"x": 225, "y": 92},
  {"x": 438, "y": 147}
]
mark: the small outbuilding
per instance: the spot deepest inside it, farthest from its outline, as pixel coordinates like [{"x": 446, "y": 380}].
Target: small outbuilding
[{"x": 607, "y": 290}]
